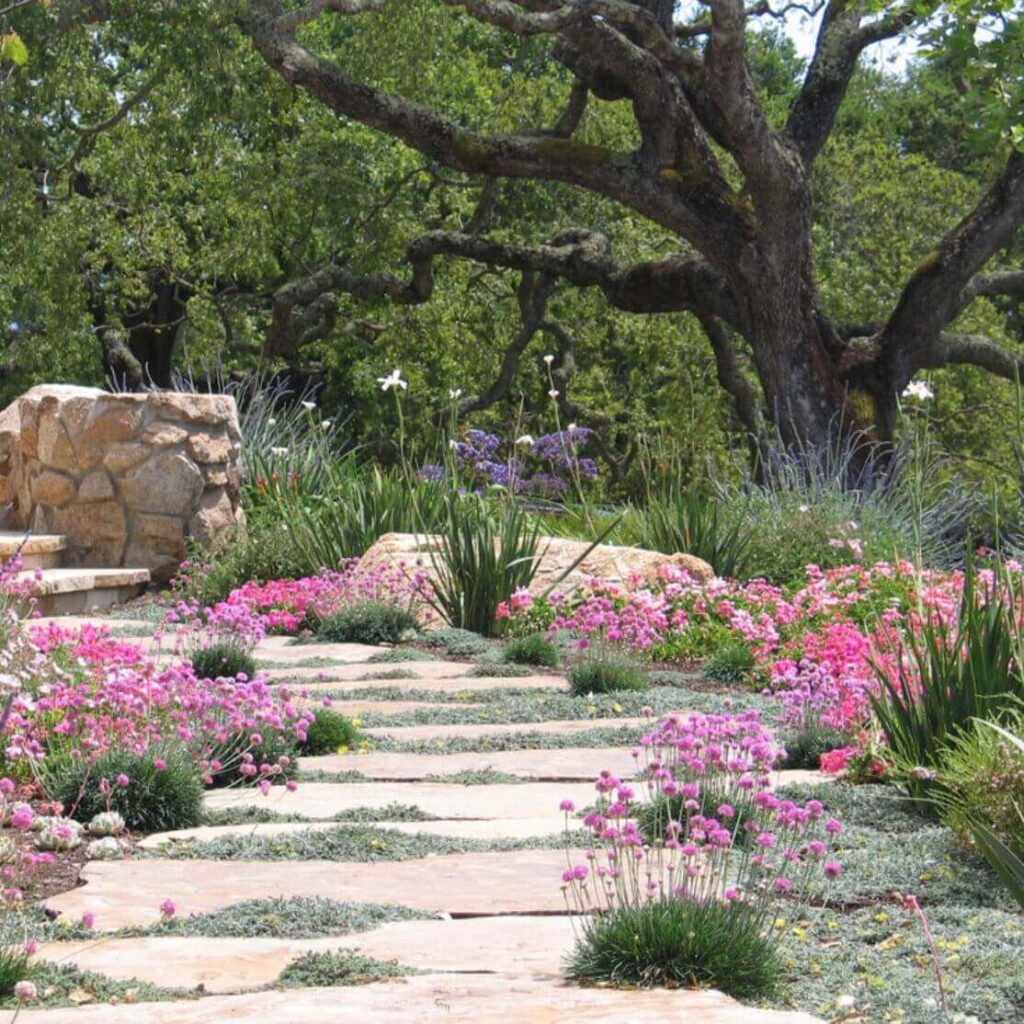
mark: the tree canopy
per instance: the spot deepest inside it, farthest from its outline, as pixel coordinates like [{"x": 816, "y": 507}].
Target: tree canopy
[{"x": 709, "y": 232}]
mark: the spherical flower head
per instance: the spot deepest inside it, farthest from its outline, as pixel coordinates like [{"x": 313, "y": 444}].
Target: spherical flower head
[
  {"x": 123, "y": 781},
  {"x": 88, "y": 920},
  {"x": 725, "y": 811},
  {"x": 22, "y": 818},
  {"x": 159, "y": 764},
  {"x": 568, "y": 806},
  {"x": 168, "y": 909},
  {"x": 580, "y": 872},
  {"x": 31, "y": 947},
  {"x": 765, "y": 840},
  {"x": 25, "y": 991},
  {"x": 833, "y": 827},
  {"x": 783, "y": 885},
  {"x": 833, "y": 869},
  {"x": 732, "y": 895},
  {"x": 291, "y": 785},
  {"x": 256, "y": 740},
  {"x": 264, "y": 786}
]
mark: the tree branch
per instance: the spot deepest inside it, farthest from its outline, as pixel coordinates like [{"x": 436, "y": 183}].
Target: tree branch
[
  {"x": 975, "y": 350},
  {"x": 938, "y": 288},
  {"x": 731, "y": 377}
]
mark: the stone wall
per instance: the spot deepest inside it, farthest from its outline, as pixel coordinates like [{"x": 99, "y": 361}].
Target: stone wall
[{"x": 126, "y": 477}]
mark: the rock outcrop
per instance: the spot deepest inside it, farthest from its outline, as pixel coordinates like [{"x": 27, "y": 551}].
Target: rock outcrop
[
  {"x": 617, "y": 564},
  {"x": 128, "y": 478}
]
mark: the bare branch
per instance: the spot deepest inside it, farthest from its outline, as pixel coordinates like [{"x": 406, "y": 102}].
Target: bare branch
[
  {"x": 731, "y": 377},
  {"x": 999, "y": 282},
  {"x": 975, "y": 350},
  {"x": 936, "y": 292}
]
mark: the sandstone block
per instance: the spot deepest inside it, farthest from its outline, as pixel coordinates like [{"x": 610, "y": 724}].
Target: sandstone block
[
  {"x": 51, "y": 488},
  {"x": 122, "y": 457},
  {"x": 208, "y": 449},
  {"x": 97, "y": 486},
  {"x": 96, "y": 532},
  {"x": 214, "y": 520},
  {"x": 158, "y": 544},
  {"x": 163, "y": 435},
  {"x": 166, "y": 483}
]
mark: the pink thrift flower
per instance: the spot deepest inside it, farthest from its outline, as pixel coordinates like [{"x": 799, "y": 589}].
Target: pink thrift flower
[
  {"x": 123, "y": 781},
  {"x": 168, "y": 909},
  {"x": 25, "y": 991},
  {"x": 88, "y": 920}
]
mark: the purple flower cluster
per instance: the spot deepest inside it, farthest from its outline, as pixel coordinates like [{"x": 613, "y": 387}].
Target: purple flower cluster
[{"x": 544, "y": 468}]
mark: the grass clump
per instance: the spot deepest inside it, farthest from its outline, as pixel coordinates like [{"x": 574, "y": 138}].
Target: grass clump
[
  {"x": 328, "y": 733},
  {"x": 605, "y": 672},
  {"x": 731, "y": 663},
  {"x": 367, "y": 622},
  {"x": 456, "y": 642},
  {"x": 162, "y": 792},
  {"x": 346, "y": 967},
  {"x": 223, "y": 659},
  {"x": 679, "y": 943},
  {"x": 533, "y": 649},
  {"x": 14, "y": 967}
]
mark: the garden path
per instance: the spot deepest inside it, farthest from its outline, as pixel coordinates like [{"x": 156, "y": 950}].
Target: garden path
[{"x": 493, "y": 952}]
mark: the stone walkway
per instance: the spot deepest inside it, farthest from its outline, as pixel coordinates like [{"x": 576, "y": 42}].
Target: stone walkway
[{"x": 493, "y": 948}]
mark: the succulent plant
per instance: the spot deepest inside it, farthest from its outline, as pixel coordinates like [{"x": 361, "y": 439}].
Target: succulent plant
[{"x": 106, "y": 823}]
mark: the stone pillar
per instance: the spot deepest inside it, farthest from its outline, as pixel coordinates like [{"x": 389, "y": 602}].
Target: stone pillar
[{"x": 127, "y": 477}]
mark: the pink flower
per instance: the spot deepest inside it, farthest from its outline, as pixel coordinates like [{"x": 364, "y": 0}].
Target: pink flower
[
  {"x": 159, "y": 764},
  {"x": 833, "y": 869},
  {"x": 123, "y": 781},
  {"x": 168, "y": 909},
  {"x": 88, "y": 920},
  {"x": 22, "y": 818},
  {"x": 568, "y": 806},
  {"x": 25, "y": 991}
]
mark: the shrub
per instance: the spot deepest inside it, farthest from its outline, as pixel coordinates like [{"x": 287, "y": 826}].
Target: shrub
[
  {"x": 14, "y": 967},
  {"x": 950, "y": 676},
  {"x": 163, "y": 790},
  {"x": 241, "y": 761},
  {"x": 690, "y": 521},
  {"x": 805, "y": 746},
  {"x": 983, "y": 769},
  {"x": 732, "y": 662},
  {"x": 534, "y": 649},
  {"x": 601, "y": 670},
  {"x": 328, "y": 732},
  {"x": 483, "y": 556},
  {"x": 265, "y": 553},
  {"x": 223, "y": 659},
  {"x": 679, "y": 943},
  {"x": 367, "y": 622},
  {"x": 458, "y": 643}
]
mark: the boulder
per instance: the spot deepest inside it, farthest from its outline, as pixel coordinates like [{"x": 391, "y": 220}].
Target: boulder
[
  {"x": 166, "y": 483},
  {"x": 557, "y": 558}
]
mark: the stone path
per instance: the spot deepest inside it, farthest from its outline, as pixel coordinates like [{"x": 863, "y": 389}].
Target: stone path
[{"x": 493, "y": 952}]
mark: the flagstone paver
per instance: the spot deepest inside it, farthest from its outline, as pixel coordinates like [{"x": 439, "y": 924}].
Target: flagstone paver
[
  {"x": 128, "y": 893},
  {"x": 514, "y": 946},
  {"x": 433, "y": 999},
  {"x": 446, "y": 684},
  {"x": 356, "y": 672},
  {"x": 478, "y": 730},
  {"x": 458, "y": 828},
  {"x": 576, "y": 764},
  {"x": 284, "y": 648},
  {"x": 445, "y": 800},
  {"x": 357, "y": 707}
]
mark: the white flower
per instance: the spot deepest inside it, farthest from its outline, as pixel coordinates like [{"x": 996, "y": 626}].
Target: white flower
[
  {"x": 278, "y": 451},
  {"x": 845, "y": 1002},
  {"x": 309, "y": 405},
  {"x": 918, "y": 389},
  {"x": 454, "y": 393},
  {"x": 452, "y": 443},
  {"x": 571, "y": 428},
  {"x": 804, "y": 508},
  {"x": 525, "y": 439},
  {"x": 271, "y": 422},
  {"x": 393, "y": 380},
  {"x": 552, "y": 393},
  {"x": 549, "y": 359},
  {"x": 326, "y": 424}
]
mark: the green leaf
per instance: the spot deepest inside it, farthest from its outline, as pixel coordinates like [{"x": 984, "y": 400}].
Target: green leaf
[{"x": 13, "y": 49}]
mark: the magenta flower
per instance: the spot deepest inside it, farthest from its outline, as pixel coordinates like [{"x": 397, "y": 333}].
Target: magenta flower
[
  {"x": 833, "y": 869},
  {"x": 568, "y": 806},
  {"x": 168, "y": 909}
]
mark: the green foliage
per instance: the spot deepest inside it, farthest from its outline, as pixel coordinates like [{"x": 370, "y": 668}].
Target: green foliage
[
  {"x": 950, "y": 676},
  {"x": 459, "y": 643},
  {"x": 682, "y": 943},
  {"x": 732, "y": 662},
  {"x": 328, "y": 732},
  {"x": 805, "y": 746},
  {"x": 156, "y": 799},
  {"x": 346, "y": 967},
  {"x": 981, "y": 775},
  {"x": 352, "y": 505},
  {"x": 604, "y": 670},
  {"x": 266, "y": 552},
  {"x": 275, "y": 744},
  {"x": 14, "y": 967},
  {"x": 483, "y": 555},
  {"x": 688, "y": 520},
  {"x": 367, "y": 622},
  {"x": 223, "y": 659},
  {"x": 534, "y": 649}
]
